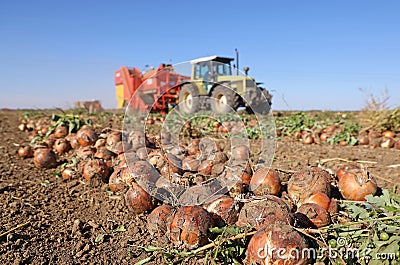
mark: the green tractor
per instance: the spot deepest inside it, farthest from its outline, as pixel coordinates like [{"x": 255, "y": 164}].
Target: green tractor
[{"x": 213, "y": 85}]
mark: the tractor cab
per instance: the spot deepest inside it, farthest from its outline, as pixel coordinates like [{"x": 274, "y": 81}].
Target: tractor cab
[{"x": 210, "y": 68}]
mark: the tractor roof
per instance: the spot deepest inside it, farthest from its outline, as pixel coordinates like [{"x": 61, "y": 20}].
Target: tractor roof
[{"x": 212, "y": 58}]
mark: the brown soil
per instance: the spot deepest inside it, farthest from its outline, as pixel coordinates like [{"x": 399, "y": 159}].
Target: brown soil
[{"x": 58, "y": 221}]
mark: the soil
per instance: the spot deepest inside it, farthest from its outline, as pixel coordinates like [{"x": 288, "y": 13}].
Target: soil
[{"x": 69, "y": 222}]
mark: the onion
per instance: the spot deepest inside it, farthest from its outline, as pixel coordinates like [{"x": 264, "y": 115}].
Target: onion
[
  {"x": 61, "y": 146},
  {"x": 305, "y": 181},
  {"x": 388, "y": 134},
  {"x": 60, "y": 131},
  {"x": 113, "y": 138},
  {"x": 22, "y": 127},
  {"x": 193, "y": 147},
  {"x": 100, "y": 143},
  {"x": 277, "y": 243},
  {"x": 387, "y": 142},
  {"x": 265, "y": 181},
  {"x": 138, "y": 200},
  {"x": 205, "y": 167},
  {"x": 357, "y": 183},
  {"x": 96, "y": 168},
  {"x": 323, "y": 137},
  {"x": 307, "y": 138},
  {"x": 159, "y": 220},
  {"x": 241, "y": 153},
  {"x": 45, "y": 158},
  {"x": 25, "y": 151},
  {"x": 269, "y": 209},
  {"x": 189, "y": 226},
  {"x": 115, "y": 182},
  {"x": 319, "y": 198},
  {"x": 224, "y": 210},
  {"x": 86, "y": 136},
  {"x": 73, "y": 141},
  {"x": 85, "y": 152},
  {"x": 103, "y": 153},
  {"x": 316, "y": 213},
  {"x": 343, "y": 169},
  {"x": 363, "y": 140},
  {"x": 68, "y": 173}
]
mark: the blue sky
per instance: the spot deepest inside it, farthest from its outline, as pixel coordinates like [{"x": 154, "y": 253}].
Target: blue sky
[{"x": 310, "y": 54}]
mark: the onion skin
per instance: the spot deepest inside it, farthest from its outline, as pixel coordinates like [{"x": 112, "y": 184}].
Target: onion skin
[
  {"x": 138, "y": 200},
  {"x": 387, "y": 142},
  {"x": 86, "y": 136},
  {"x": 61, "y": 146},
  {"x": 189, "y": 227},
  {"x": 265, "y": 181},
  {"x": 61, "y": 131},
  {"x": 319, "y": 198},
  {"x": 388, "y": 134},
  {"x": 25, "y": 152},
  {"x": 68, "y": 173},
  {"x": 96, "y": 168},
  {"x": 269, "y": 209},
  {"x": 357, "y": 183},
  {"x": 316, "y": 213},
  {"x": 45, "y": 158},
  {"x": 115, "y": 181},
  {"x": 159, "y": 220},
  {"x": 274, "y": 244},
  {"x": 224, "y": 210},
  {"x": 241, "y": 153},
  {"x": 305, "y": 181}
]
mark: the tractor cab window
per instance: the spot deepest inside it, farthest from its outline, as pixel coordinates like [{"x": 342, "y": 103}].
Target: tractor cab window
[
  {"x": 223, "y": 69},
  {"x": 202, "y": 70}
]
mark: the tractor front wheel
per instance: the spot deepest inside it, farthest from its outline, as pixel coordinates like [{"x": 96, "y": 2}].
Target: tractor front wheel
[
  {"x": 189, "y": 99},
  {"x": 224, "y": 100}
]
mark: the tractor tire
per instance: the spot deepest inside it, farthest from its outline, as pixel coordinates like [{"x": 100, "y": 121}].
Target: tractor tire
[
  {"x": 224, "y": 100},
  {"x": 261, "y": 103},
  {"x": 189, "y": 101}
]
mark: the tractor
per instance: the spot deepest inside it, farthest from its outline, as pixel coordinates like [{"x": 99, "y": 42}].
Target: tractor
[{"x": 213, "y": 85}]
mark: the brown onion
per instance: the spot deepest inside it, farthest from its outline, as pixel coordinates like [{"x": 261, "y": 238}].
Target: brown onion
[
  {"x": 224, "y": 210},
  {"x": 60, "y": 131},
  {"x": 388, "y": 134},
  {"x": 25, "y": 151},
  {"x": 86, "y": 136},
  {"x": 241, "y": 153},
  {"x": 68, "y": 173},
  {"x": 357, "y": 183},
  {"x": 269, "y": 209},
  {"x": 316, "y": 213},
  {"x": 205, "y": 167},
  {"x": 277, "y": 243},
  {"x": 189, "y": 227},
  {"x": 305, "y": 181},
  {"x": 138, "y": 200},
  {"x": 96, "y": 168},
  {"x": 319, "y": 198},
  {"x": 61, "y": 146},
  {"x": 45, "y": 158},
  {"x": 387, "y": 142},
  {"x": 73, "y": 141},
  {"x": 159, "y": 220},
  {"x": 265, "y": 181}
]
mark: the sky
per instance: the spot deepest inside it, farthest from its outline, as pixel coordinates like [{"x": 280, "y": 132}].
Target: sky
[{"x": 325, "y": 55}]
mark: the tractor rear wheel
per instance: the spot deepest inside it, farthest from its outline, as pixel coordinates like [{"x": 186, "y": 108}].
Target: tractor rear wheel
[
  {"x": 189, "y": 99},
  {"x": 224, "y": 100}
]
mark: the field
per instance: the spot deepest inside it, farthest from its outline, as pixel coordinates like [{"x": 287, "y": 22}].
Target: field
[{"x": 48, "y": 220}]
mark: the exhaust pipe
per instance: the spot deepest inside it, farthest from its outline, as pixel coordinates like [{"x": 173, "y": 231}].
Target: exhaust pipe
[{"x": 237, "y": 61}]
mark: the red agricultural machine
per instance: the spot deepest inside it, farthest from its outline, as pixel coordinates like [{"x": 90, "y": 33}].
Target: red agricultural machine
[{"x": 154, "y": 94}]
